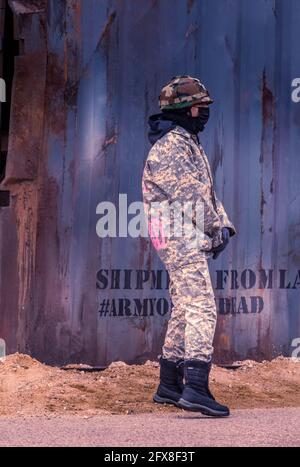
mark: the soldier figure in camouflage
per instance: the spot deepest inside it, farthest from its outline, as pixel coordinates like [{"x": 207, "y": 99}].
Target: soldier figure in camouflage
[{"x": 177, "y": 174}]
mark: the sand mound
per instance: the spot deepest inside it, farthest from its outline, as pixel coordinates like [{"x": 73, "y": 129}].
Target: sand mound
[{"x": 28, "y": 387}]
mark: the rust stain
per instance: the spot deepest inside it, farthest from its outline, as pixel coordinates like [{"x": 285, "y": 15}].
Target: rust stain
[
  {"x": 268, "y": 127},
  {"x": 217, "y": 154},
  {"x": 109, "y": 141},
  {"x": 190, "y": 4},
  {"x": 105, "y": 33},
  {"x": 25, "y": 207},
  {"x": 77, "y": 16},
  {"x": 55, "y": 94},
  {"x": 268, "y": 101}
]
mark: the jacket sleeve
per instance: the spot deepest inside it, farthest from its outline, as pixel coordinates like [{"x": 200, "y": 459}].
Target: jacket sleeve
[
  {"x": 224, "y": 218},
  {"x": 175, "y": 174}
]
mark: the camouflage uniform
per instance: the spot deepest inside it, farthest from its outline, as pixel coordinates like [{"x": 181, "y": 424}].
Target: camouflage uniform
[
  {"x": 191, "y": 327},
  {"x": 177, "y": 170}
]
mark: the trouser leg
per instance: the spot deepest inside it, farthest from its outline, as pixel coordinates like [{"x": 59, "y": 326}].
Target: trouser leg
[
  {"x": 173, "y": 348},
  {"x": 192, "y": 323}
]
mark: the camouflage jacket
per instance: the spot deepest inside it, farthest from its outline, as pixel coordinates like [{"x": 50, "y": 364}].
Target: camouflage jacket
[{"x": 177, "y": 170}]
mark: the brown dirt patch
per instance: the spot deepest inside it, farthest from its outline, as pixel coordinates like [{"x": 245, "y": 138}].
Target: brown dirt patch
[{"x": 28, "y": 387}]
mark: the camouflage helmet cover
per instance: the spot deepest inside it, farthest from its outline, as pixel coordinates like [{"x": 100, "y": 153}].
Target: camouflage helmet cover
[{"x": 183, "y": 91}]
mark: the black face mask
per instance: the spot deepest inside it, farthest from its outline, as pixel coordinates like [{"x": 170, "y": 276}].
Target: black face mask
[{"x": 183, "y": 118}]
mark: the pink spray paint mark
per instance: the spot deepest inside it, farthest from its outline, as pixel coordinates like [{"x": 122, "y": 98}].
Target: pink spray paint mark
[
  {"x": 155, "y": 227},
  {"x": 144, "y": 187}
]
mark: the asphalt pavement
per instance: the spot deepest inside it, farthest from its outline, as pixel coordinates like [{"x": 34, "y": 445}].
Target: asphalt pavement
[{"x": 259, "y": 427}]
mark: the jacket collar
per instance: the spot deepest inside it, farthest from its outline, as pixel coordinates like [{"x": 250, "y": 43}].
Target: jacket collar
[{"x": 179, "y": 130}]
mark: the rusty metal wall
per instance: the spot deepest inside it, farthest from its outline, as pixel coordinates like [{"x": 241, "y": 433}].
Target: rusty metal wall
[{"x": 87, "y": 79}]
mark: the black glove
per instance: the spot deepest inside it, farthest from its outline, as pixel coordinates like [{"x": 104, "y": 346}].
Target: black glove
[{"x": 225, "y": 241}]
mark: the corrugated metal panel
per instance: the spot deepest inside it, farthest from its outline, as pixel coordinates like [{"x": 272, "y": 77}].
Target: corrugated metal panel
[{"x": 78, "y": 136}]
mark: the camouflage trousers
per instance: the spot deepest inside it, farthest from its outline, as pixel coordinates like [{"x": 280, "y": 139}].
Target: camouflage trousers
[{"x": 191, "y": 327}]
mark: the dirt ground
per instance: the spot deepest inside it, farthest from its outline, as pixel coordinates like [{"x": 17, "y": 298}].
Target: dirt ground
[{"x": 28, "y": 387}]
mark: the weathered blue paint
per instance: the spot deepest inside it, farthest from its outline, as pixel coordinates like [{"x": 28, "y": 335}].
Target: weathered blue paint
[{"x": 104, "y": 63}]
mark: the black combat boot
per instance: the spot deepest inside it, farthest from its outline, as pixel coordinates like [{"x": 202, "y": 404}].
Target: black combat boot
[
  {"x": 196, "y": 395},
  {"x": 171, "y": 382}
]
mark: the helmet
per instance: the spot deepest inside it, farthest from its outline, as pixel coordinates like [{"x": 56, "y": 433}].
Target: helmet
[{"x": 183, "y": 91}]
